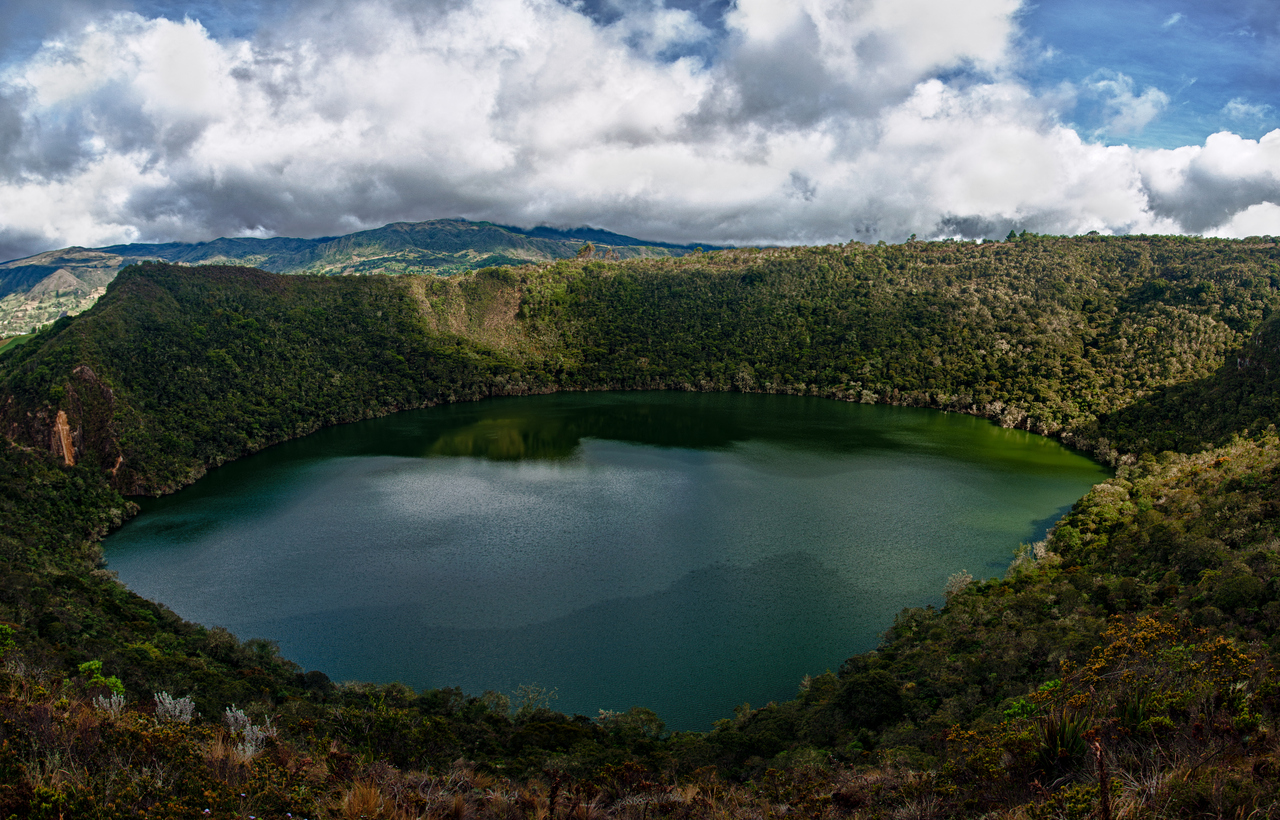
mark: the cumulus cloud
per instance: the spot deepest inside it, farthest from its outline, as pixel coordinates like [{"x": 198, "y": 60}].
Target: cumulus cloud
[
  {"x": 805, "y": 61},
  {"x": 1262, "y": 219},
  {"x": 804, "y": 121},
  {"x": 1204, "y": 189}
]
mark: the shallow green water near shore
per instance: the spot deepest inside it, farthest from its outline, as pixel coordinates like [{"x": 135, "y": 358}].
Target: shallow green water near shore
[{"x": 683, "y": 552}]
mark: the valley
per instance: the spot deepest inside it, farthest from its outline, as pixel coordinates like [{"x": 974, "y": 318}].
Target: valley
[
  {"x": 1145, "y": 623},
  {"x": 39, "y": 289}
]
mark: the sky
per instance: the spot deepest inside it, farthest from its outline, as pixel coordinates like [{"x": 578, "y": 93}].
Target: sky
[{"x": 742, "y": 122}]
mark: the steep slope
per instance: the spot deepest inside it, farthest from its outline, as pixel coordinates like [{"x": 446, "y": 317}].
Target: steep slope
[
  {"x": 1241, "y": 398},
  {"x": 182, "y": 369},
  {"x": 36, "y": 290},
  {"x": 179, "y": 369}
]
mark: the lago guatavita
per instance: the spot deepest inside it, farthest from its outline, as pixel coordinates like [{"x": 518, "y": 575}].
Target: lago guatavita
[{"x": 683, "y": 552}]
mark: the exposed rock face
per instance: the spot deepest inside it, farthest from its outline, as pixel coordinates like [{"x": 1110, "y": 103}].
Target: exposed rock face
[
  {"x": 79, "y": 429},
  {"x": 62, "y": 443}
]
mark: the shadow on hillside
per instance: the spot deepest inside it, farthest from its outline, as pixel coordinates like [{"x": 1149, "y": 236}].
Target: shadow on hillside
[{"x": 1242, "y": 397}]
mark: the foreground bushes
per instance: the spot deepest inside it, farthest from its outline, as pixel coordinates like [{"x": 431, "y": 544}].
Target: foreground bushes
[{"x": 1162, "y": 719}]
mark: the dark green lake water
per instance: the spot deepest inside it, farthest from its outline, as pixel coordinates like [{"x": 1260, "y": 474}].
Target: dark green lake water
[{"x": 684, "y": 552}]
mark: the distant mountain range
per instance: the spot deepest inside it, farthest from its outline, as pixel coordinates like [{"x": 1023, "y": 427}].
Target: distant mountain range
[{"x": 39, "y": 289}]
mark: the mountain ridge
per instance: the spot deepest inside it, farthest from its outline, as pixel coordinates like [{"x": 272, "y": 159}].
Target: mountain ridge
[{"x": 38, "y": 289}]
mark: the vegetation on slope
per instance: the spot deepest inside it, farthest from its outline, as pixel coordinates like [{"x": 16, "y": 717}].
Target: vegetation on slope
[
  {"x": 177, "y": 370},
  {"x": 39, "y": 289},
  {"x": 1124, "y": 667},
  {"x": 1044, "y": 333}
]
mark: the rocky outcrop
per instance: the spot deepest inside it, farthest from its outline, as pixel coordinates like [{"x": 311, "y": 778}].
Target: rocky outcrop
[{"x": 62, "y": 444}]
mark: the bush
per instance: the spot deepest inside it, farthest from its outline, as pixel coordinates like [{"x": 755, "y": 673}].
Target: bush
[{"x": 178, "y": 710}]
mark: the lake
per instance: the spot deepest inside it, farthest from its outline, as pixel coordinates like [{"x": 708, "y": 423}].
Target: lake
[{"x": 686, "y": 552}]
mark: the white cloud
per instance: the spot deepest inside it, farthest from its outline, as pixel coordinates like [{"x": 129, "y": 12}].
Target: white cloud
[
  {"x": 656, "y": 30},
  {"x": 819, "y": 120},
  {"x": 1241, "y": 109},
  {"x": 1124, "y": 112},
  {"x": 803, "y": 61},
  {"x": 1262, "y": 219},
  {"x": 1173, "y": 20},
  {"x": 980, "y": 161},
  {"x": 1203, "y": 188}
]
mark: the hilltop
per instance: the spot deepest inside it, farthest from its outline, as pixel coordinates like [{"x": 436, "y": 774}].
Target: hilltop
[
  {"x": 39, "y": 289},
  {"x": 1125, "y": 666}
]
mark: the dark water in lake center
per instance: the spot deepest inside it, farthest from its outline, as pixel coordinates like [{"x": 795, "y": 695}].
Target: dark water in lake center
[{"x": 683, "y": 552}]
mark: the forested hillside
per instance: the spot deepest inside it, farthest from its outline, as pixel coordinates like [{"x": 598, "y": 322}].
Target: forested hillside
[
  {"x": 1103, "y": 674},
  {"x": 39, "y": 289}
]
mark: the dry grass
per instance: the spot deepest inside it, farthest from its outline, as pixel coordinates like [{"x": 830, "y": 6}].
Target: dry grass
[{"x": 361, "y": 801}]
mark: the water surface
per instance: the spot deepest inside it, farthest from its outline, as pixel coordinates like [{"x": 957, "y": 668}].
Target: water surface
[{"x": 683, "y": 552}]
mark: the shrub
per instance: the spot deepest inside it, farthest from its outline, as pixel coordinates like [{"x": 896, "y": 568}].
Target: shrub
[
  {"x": 957, "y": 582},
  {"x": 236, "y": 720},
  {"x": 112, "y": 704},
  {"x": 92, "y": 670},
  {"x": 250, "y": 739},
  {"x": 169, "y": 708}
]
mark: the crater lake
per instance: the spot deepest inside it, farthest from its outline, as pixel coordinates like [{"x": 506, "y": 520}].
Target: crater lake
[{"x": 684, "y": 552}]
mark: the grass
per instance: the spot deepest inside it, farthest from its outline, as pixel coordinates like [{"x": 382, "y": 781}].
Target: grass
[{"x": 11, "y": 343}]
